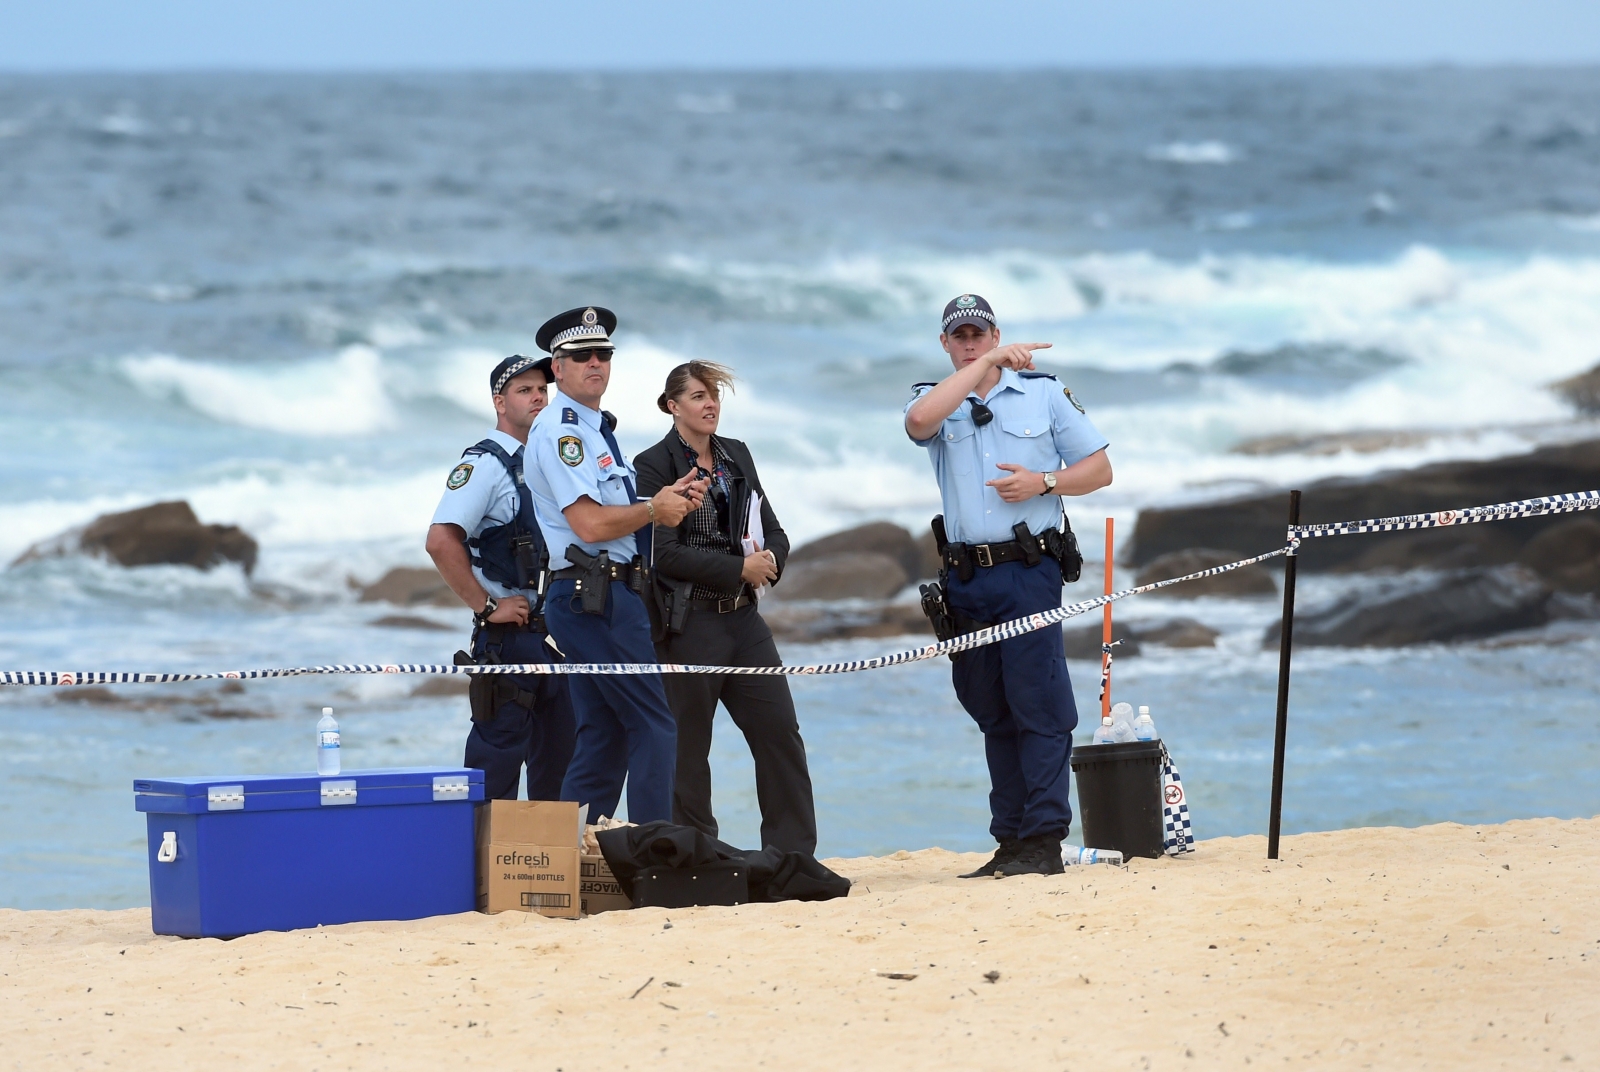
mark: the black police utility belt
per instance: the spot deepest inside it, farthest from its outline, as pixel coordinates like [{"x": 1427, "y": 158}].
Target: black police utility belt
[
  {"x": 594, "y": 574},
  {"x": 965, "y": 559},
  {"x": 513, "y": 554}
]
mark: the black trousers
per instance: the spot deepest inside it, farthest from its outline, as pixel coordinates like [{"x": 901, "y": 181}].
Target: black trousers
[
  {"x": 762, "y": 709},
  {"x": 540, "y": 739}
]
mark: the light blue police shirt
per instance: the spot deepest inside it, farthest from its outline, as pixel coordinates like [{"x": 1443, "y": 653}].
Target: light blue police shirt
[
  {"x": 569, "y": 458},
  {"x": 479, "y": 494},
  {"x": 1036, "y": 425}
]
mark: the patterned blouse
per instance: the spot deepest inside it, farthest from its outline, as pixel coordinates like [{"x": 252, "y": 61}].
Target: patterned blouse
[{"x": 708, "y": 524}]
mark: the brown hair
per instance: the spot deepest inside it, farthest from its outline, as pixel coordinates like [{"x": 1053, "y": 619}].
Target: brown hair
[{"x": 713, "y": 375}]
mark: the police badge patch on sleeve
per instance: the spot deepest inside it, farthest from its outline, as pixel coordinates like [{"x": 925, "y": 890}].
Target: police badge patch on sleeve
[
  {"x": 1075, "y": 403},
  {"x": 570, "y": 449},
  {"x": 458, "y": 477}
]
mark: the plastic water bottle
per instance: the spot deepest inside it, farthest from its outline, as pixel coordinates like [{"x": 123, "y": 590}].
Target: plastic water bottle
[
  {"x": 1143, "y": 728},
  {"x": 1071, "y": 855},
  {"x": 327, "y": 744},
  {"x": 1122, "y": 723},
  {"x": 1103, "y": 732}
]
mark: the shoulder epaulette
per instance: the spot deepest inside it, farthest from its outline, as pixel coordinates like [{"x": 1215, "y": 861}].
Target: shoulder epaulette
[
  {"x": 1036, "y": 375},
  {"x": 926, "y": 383}
]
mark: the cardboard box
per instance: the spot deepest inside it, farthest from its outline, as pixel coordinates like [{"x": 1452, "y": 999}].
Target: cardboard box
[
  {"x": 528, "y": 857},
  {"x": 598, "y": 889}
]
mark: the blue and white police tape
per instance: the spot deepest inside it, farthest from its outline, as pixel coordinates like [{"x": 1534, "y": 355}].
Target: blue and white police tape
[
  {"x": 1549, "y": 504},
  {"x": 1472, "y": 515},
  {"x": 991, "y": 635}
]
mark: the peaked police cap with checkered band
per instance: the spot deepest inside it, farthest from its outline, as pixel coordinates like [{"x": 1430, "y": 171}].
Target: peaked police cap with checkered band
[
  {"x": 966, "y": 309},
  {"x": 588, "y": 328},
  {"x": 515, "y": 366}
]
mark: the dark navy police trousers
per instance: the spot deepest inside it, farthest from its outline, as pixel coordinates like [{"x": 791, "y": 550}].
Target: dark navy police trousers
[
  {"x": 625, "y": 729},
  {"x": 541, "y": 738},
  {"x": 1018, "y": 693}
]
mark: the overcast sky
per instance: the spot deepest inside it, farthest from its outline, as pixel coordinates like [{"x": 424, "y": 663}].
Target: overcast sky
[{"x": 355, "y": 34}]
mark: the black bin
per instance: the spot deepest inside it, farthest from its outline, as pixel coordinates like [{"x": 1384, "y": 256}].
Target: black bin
[{"x": 1119, "y": 796}]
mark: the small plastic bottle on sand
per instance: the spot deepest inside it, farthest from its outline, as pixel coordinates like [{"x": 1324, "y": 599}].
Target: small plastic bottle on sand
[
  {"x": 1144, "y": 728},
  {"x": 327, "y": 744},
  {"x": 1071, "y": 855}
]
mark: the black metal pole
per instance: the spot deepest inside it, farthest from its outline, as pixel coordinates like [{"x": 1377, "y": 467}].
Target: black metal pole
[{"x": 1285, "y": 644}]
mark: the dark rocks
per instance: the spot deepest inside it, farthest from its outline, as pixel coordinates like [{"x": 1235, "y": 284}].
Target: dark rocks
[
  {"x": 1567, "y": 555},
  {"x": 1244, "y": 581},
  {"x": 166, "y": 533},
  {"x": 1083, "y": 642},
  {"x": 1426, "y": 608},
  {"x": 186, "y": 706},
  {"x": 443, "y": 685},
  {"x": 406, "y": 586},
  {"x": 1582, "y": 390},
  {"x": 842, "y": 575},
  {"x": 816, "y": 622},
  {"x": 1250, "y": 525},
  {"x": 1178, "y": 633},
  {"x": 409, "y": 621},
  {"x": 915, "y": 558}
]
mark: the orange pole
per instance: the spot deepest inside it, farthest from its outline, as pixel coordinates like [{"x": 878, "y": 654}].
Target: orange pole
[{"x": 1105, "y": 659}]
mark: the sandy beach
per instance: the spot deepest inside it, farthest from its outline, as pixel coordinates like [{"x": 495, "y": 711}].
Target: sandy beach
[{"x": 1442, "y": 947}]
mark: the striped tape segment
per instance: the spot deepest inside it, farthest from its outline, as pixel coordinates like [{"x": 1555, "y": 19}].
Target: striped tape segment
[
  {"x": 991, "y": 635},
  {"x": 1569, "y": 503}
]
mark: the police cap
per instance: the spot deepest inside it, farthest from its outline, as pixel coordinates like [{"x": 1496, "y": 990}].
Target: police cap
[
  {"x": 967, "y": 309},
  {"x": 515, "y": 366},
  {"x": 588, "y": 328}
]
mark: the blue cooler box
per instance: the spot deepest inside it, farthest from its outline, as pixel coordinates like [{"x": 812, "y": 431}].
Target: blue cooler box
[{"x": 276, "y": 852}]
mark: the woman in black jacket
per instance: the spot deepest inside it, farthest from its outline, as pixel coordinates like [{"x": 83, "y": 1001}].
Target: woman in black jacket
[{"x": 705, "y": 586}]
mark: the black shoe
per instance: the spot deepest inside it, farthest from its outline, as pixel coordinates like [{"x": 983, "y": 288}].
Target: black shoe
[
  {"x": 1039, "y": 855},
  {"x": 1002, "y": 856}
]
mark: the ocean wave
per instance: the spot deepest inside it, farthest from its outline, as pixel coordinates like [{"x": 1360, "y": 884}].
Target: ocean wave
[
  {"x": 344, "y": 395},
  {"x": 1193, "y": 152}
]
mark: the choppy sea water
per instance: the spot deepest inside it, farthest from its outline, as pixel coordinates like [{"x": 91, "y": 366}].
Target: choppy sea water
[{"x": 278, "y": 297}]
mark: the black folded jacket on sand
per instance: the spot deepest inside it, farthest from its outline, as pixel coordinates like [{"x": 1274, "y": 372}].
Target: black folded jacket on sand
[{"x": 773, "y": 875}]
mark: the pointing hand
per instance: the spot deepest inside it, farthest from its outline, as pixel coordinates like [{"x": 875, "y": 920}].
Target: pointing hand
[
  {"x": 1020, "y": 486},
  {"x": 1015, "y": 355}
]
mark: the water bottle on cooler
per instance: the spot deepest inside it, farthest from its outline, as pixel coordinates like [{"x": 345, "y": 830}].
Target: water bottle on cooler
[
  {"x": 1072, "y": 856},
  {"x": 1143, "y": 728},
  {"x": 1103, "y": 732},
  {"x": 1122, "y": 723},
  {"x": 327, "y": 744}
]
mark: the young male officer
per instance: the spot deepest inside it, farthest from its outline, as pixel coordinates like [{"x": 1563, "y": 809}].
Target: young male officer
[
  {"x": 486, "y": 544},
  {"x": 1005, "y": 442},
  {"x": 583, "y": 494}
]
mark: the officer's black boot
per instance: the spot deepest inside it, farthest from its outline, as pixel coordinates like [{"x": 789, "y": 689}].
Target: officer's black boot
[
  {"x": 1002, "y": 856},
  {"x": 1038, "y": 855}
]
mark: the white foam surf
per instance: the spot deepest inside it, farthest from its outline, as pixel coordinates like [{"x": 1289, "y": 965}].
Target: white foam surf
[{"x": 344, "y": 395}]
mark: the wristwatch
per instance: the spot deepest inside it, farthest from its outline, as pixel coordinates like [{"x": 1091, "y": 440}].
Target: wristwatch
[
  {"x": 1049, "y": 483},
  {"x": 490, "y": 605}
]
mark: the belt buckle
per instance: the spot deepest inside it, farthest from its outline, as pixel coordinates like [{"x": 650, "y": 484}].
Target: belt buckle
[
  {"x": 725, "y": 606},
  {"x": 982, "y": 554}
]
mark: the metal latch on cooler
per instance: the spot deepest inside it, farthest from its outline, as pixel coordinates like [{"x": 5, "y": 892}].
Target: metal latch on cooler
[
  {"x": 451, "y": 787},
  {"x": 341, "y": 792},
  {"x": 224, "y": 798}
]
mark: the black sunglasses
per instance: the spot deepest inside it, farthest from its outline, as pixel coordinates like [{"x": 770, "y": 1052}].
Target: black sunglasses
[
  {"x": 583, "y": 357},
  {"x": 981, "y": 414}
]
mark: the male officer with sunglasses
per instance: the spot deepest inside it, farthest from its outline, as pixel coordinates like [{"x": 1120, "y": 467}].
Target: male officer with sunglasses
[
  {"x": 1006, "y": 441},
  {"x": 597, "y": 531}
]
